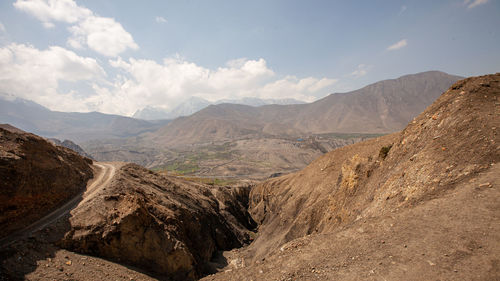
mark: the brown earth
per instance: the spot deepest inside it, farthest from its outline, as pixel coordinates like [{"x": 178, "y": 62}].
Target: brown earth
[
  {"x": 36, "y": 177},
  {"x": 162, "y": 224},
  {"x": 359, "y": 213},
  {"x": 453, "y": 237}
]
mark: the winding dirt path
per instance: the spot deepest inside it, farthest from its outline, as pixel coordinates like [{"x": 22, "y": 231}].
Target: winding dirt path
[{"x": 104, "y": 174}]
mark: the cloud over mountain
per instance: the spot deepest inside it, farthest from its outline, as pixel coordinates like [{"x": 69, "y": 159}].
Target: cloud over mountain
[
  {"x": 36, "y": 74},
  {"x": 50, "y": 76},
  {"x": 146, "y": 82}
]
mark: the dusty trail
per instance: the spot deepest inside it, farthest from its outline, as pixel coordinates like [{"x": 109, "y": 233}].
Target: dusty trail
[{"x": 105, "y": 172}]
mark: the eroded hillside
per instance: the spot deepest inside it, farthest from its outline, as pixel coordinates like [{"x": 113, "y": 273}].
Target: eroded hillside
[
  {"x": 36, "y": 177},
  {"x": 394, "y": 206}
]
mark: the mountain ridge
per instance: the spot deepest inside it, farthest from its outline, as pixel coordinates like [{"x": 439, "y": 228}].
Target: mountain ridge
[
  {"x": 75, "y": 126},
  {"x": 382, "y": 107},
  {"x": 195, "y": 104}
]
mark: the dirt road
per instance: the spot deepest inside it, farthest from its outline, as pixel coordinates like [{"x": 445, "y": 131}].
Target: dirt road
[{"x": 104, "y": 173}]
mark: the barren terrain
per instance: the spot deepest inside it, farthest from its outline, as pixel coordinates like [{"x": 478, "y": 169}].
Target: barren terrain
[
  {"x": 420, "y": 204},
  {"x": 453, "y": 237}
]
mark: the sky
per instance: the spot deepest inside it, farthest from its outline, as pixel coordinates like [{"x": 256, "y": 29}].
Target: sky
[{"x": 118, "y": 56}]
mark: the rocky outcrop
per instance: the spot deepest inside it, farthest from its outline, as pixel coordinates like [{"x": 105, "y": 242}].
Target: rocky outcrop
[
  {"x": 164, "y": 225},
  {"x": 36, "y": 177}
]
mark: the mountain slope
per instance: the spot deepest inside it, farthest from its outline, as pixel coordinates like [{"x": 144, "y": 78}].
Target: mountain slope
[
  {"x": 427, "y": 157},
  {"x": 36, "y": 177},
  {"x": 78, "y": 127},
  {"x": 195, "y": 104},
  {"x": 382, "y": 107},
  {"x": 422, "y": 202}
]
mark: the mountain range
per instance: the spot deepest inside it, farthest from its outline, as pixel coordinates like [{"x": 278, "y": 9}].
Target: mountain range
[
  {"x": 74, "y": 126},
  {"x": 233, "y": 140},
  {"x": 382, "y": 107},
  {"x": 195, "y": 104}
]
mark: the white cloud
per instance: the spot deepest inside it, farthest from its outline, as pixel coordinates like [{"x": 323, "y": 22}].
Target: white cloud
[
  {"x": 48, "y": 11},
  {"x": 61, "y": 80},
  {"x": 2, "y": 28},
  {"x": 36, "y": 75},
  {"x": 146, "y": 82},
  {"x": 361, "y": 70},
  {"x": 159, "y": 19},
  {"x": 103, "y": 35},
  {"x": 398, "y": 45},
  {"x": 472, "y": 4}
]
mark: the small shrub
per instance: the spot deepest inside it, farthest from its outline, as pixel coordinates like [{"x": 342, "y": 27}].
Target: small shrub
[{"x": 384, "y": 151}]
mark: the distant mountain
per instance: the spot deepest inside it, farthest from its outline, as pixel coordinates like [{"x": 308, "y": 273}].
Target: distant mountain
[
  {"x": 151, "y": 113},
  {"x": 78, "y": 127},
  {"x": 382, "y": 107},
  {"x": 188, "y": 107},
  {"x": 195, "y": 104},
  {"x": 71, "y": 145}
]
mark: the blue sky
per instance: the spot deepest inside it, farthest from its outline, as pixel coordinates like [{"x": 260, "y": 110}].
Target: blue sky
[{"x": 120, "y": 56}]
